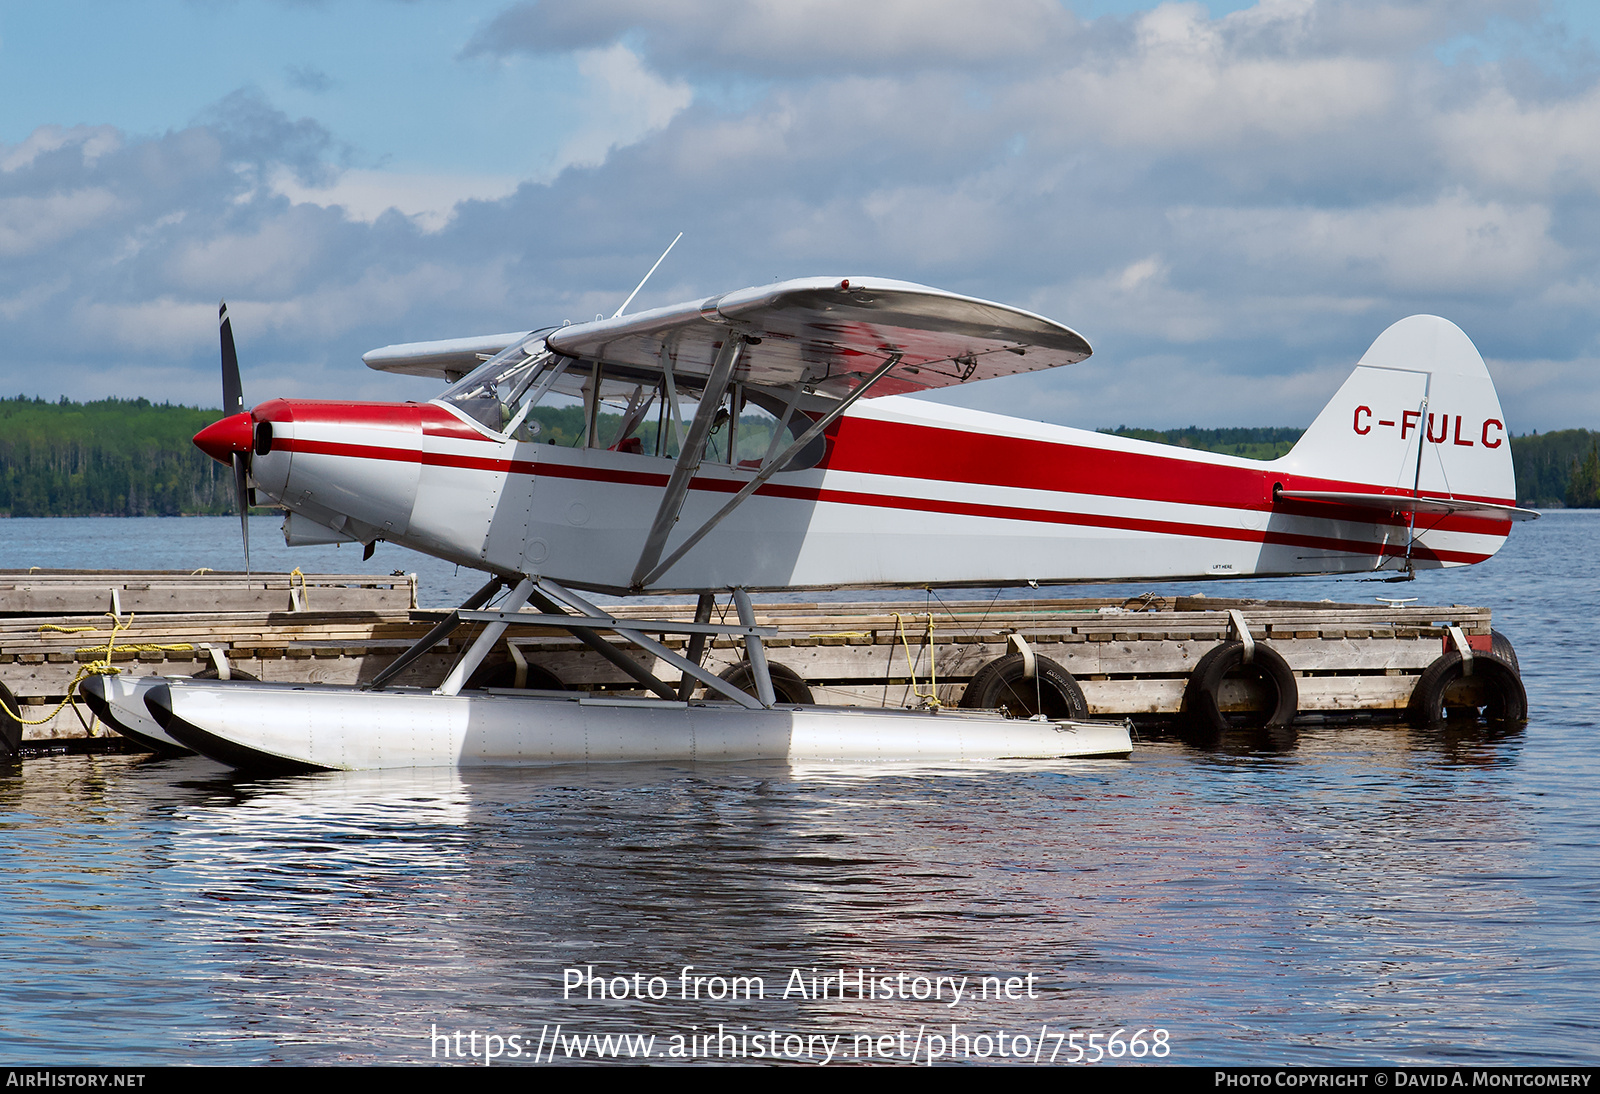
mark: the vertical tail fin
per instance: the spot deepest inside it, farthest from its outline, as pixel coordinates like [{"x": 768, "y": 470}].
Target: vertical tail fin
[
  {"x": 1418, "y": 418},
  {"x": 1415, "y": 447}
]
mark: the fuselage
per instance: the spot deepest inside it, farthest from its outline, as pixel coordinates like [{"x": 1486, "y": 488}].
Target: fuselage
[{"x": 908, "y": 492}]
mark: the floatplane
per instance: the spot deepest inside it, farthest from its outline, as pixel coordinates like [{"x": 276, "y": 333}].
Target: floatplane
[{"x": 763, "y": 440}]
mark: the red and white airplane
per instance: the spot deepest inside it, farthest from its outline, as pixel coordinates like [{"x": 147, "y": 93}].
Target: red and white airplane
[
  {"x": 758, "y": 440},
  {"x": 761, "y": 440}
]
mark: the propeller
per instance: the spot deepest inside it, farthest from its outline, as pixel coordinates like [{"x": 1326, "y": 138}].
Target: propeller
[
  {"x": 232, "y": 389},
  {"x": 229, "y": 440}
]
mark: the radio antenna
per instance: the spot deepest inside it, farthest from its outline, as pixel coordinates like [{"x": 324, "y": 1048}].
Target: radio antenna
[{"x": 635, "y": 292}]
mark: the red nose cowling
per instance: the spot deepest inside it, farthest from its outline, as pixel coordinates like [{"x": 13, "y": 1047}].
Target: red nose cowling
[{"x": 221, "y": 439}]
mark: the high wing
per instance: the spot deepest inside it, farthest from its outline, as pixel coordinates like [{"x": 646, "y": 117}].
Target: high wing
[
  {"x": 824, "y": 332},
  {"x": 449, "y": 358},
  {"x": 830, "y": 333}
]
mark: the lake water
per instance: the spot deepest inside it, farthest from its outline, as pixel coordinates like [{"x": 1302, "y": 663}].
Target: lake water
[{"x": 1370, "y": 895}]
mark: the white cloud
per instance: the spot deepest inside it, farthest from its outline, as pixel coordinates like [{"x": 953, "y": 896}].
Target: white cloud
[
  {"x": 29, "y": 224},
  {"x": 160, "y": 325},
  {"x": 766, "y": 36},
  {"x": 93, "y": 141},
  {"x": 1548, "y": 394},
  {"x": 1187, "y": 83},
  {"x": 1452, "y": 244},
  {"x": 375, "y": 295},
  {"x": 34, "y": 296},
  {"x": 1527, "y": 146},
  {"x": 626, "y": 101},
  {"x": 1230, "y": 208},
  {"x": 1139, "y": 297},
  {"x": 365, "y": 194}
]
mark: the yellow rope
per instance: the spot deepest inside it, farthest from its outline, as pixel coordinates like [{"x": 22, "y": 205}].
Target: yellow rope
[
  {"x": 843, "y": 634},
  {"x": 305, "y": 590},
  {"x": 931, "y": 697},
  {"x": 140, "y": 647},
  {"x": 101, "y": 667}
]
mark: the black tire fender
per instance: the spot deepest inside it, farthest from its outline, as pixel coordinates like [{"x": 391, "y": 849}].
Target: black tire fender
[
  {"x": 1266, "y": 665},
  {"x": 504, "y": 675},
  {"x": 1001, "y": 685},
  {"x": 10, "y": 727},
  {"x": 212, "y": 674},
  {"x": 788, "y": 687},
  {"x": 1506, "y": 700},
  {"x": 1501, "y": 647}
]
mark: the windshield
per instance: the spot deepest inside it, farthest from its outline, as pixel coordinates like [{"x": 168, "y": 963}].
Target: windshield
[{"x": 499, "y": 391}]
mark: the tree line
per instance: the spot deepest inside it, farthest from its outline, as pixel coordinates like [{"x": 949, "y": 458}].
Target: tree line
[
  {"x": 114, "y": 457},
  {"x": 132, "y": 457}
]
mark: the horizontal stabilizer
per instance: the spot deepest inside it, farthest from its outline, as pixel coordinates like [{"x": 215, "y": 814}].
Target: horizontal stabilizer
[{"x": 1395, "y": 503}]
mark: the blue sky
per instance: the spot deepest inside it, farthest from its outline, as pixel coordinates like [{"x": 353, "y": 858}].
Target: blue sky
[{"x": 1230, "y": 200}]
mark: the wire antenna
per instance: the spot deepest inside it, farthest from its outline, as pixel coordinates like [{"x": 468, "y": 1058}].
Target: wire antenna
[{"x": 635, "y": 292}]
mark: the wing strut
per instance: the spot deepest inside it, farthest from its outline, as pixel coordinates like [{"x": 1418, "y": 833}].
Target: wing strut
[
  {"x": 772, "y": 468},
  {"x": 689, "y": 455}
]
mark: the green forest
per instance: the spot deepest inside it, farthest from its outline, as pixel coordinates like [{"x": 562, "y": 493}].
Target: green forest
[
  {"x": 115, "y": 457},
  {"x": 132, "y": 457}
]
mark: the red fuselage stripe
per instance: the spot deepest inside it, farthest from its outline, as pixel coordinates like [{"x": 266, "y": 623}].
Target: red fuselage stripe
[
  {"x": 902, "y": 450},
  {"x": 851, "y": 497}
]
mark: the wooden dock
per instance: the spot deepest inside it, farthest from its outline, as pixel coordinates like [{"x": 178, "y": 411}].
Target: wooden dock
[
  {"x": 1129, "y": 657},
  {"x": 87, "y": 592},
  {"x": 1135, "y": 658}
]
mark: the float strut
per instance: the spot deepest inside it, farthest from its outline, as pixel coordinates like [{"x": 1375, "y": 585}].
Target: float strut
[
  {"x": 754, "y": 651},
  {"x": 437, "y": 634},
  {"x": 697, "y": 644},
  {"x": 608, "y": 651},
  {"x": 486, "y": 641}
]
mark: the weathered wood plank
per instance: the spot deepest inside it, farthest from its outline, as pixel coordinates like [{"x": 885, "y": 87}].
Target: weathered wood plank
[{"x": 60, "y": 592}]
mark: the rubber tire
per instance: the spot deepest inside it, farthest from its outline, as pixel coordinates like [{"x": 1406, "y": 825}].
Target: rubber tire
[
  {"x": 788, "y": 687},
  {"x": 11, "y": 729},
  {"x": 1205, "y": 682},
  {"x": 1000, "y": 685},
  {"x": 505, "y": 676},
  {"x": 1501, "y": 648},
  {"x": 1508, "y": 699}
]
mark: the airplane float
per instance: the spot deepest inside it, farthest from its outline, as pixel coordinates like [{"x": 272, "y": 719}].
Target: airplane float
[{"x": 762, "y": 440}]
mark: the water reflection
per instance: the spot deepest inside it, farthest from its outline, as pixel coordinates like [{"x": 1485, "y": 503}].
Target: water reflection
[{"x": 1371, "y": 894}]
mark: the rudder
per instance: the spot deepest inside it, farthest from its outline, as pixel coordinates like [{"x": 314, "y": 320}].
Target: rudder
[{"x": 1419, "y": 414}]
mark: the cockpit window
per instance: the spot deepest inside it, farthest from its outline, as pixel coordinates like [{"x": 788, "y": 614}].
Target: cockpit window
[
  {"x": 499, "y": 391},
  {"x": 530, "y": 393}
]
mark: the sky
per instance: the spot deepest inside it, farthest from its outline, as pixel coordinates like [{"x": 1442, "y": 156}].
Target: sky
[{"x": 1229, "y": 200}]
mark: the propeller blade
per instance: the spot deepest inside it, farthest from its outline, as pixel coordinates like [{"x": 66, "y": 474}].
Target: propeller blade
[
  {"x": 241, "y": 490},
  {"x": 232, "y": 389},
  {"x": 233, "y": 403}
]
